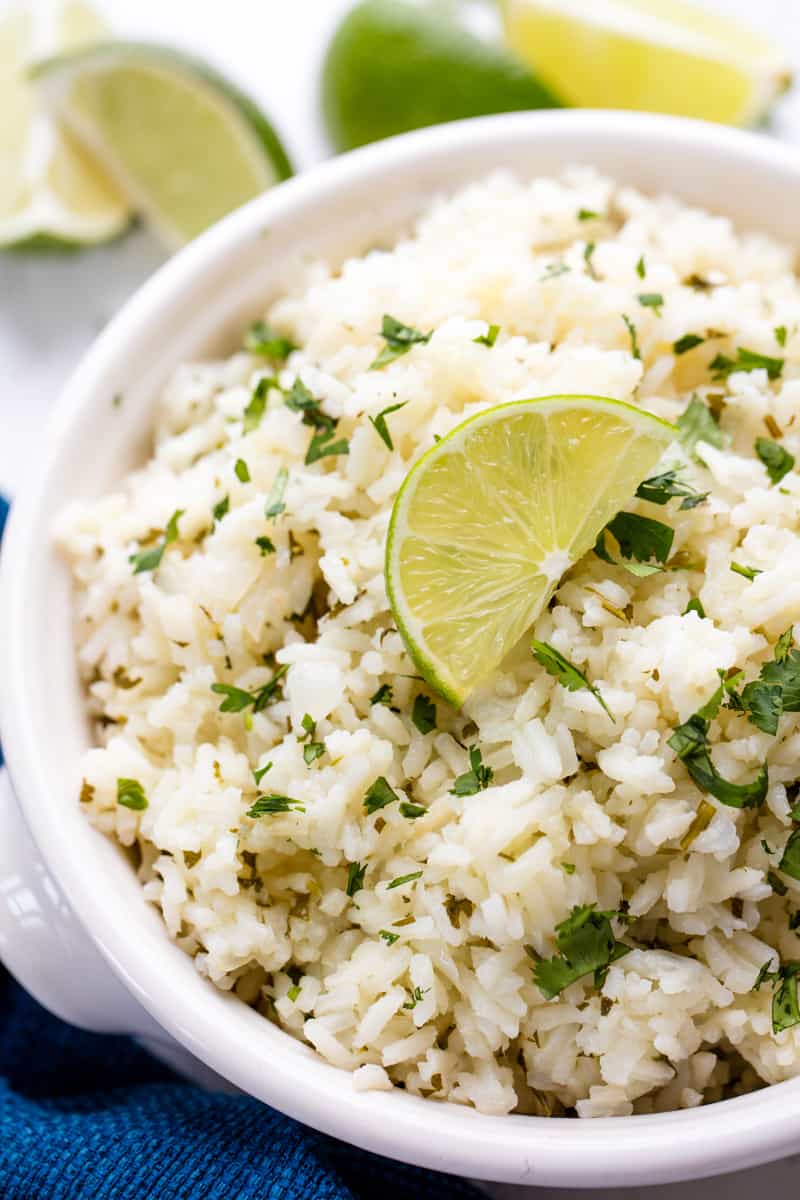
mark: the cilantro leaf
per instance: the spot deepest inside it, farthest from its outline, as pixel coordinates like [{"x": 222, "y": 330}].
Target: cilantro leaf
[
  {"x": 686, "y": 343},
  {"x": 476, "y": 779},
  {"x": 262, "y": 339},
  {"x": 355, "y": 878},
  {"x": 321, "y": 446},
  {"x": 586, "y": 944},
  {"x": 690, "y": 743},
  {"x": 776, "y": 459},
  {"x": 381, "y": 428},
  {"x": 652, "y": 300},
  {"x": 489, "y": 338},
  {"x": 312, "y": 752},
  {"x": 242, "y": 471},
  {"x": 785, "y": 1005},
  {"x": 746, "y": 360},
  {"x": 588, "y": 255},
  {"x": 780, "y": 334},
  {"x": 412, "y": 811},
  {"x": 271, "y": 806},
  {"x": 265, "y": 545},
  {"x": 660, "y": 489},
  {"x": 379, "y": 794},
  {"x": 384, "y": 694},
  {"x": 790, "y": 860},
  {"x": 698, "y": 424},
  {"x": 221, "y": 508},
  {"x": 399, "y": 339},
  {"x": 745, "y": 572},
  {"x": 633, "y": 336},
  {"x": 566, "y": 673},
  {"x": 260, "y": 772},
  {"x": 696, "y": 606},
  {"x": 588, "y": 214},
  {"x": 641, "y": 269},
  {"x": 131, "y": 794},
  {"x": 253, "y": 414},
  {"x": 149, "y": 560},
  {"x": 424, "y": 714},
  {"x": 401, "y": 879},
  {"x": 388, "y": 937},
  {"x": 237, "y": 699},
  {"x": 641, "y": 538},
  {"x": 764, "y": 702},
  {"x": 275, "y": 503}
]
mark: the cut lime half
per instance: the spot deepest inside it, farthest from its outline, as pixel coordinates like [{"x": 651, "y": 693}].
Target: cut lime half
[
  {"x": 184, "y": 145},
  {"x": 667, "y": 56},
  {"x": 489, "y": 519}
]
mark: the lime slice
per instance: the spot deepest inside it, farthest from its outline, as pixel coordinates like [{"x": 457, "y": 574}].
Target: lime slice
[
  {"x": 395, "y": 65},
  {"x": 659, "y": 55},
  {"x": 491, "y": 517},
  {"x": 184, "y": 145},
  {"x": 51, "y": 194}
]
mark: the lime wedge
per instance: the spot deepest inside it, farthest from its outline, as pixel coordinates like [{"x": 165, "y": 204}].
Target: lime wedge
[
  {"x": 51, "y": 193},
  {"x": 658, "y": 55},
  {"x": 489, "y": 519},
  {"x": 395, "y": 65},
  {"x": 184, "y": 145}
]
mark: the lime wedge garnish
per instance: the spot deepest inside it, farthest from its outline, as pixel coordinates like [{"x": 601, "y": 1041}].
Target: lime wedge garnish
[
  {"x": 184, "y": 145},
  {"x": 656, "y": 55},
  {"x": 489, "y": 519},
  {"x": 51, "y": 193}
]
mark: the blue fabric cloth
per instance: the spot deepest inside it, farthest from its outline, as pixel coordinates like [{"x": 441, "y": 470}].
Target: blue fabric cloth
[{"x": 88, "y": 1117}]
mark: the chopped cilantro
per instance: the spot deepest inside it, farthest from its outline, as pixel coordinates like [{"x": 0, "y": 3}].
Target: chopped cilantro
[
  {"x": 745, "y": 572},
  {"x": 253, "y": 414},
  {"x": 424, "y": 714},
  {"x": 632, "y": 335},
  {"x": 389, "y": 937},
  {"x": 776, "y": 459},
  {"x": 568, "y": 868},
  {"x": 489, "y": 338},
  {"x": 399, "y": 339},
  {"x": 265, "y": 545},
  {"x": 270, "y": 806},
  {"x": 312, "y": 752},
  {"x": 686, "y": 343},
  {"x": 293, "y": 992},
  {"x": 566, "y": 673},
  {"x": 553, "y": 270},
  {"x": 697, "y": 424},
  {"x": 746, "y": 360},
  {"x": 262, "y": 339},
  {"x": 237, "y": 699},
  {"x": 221, "y": 508},
  {"x": 355, "y": 878},
  {"x": 587, "y": 214},
  {"x": 785, "y": 1006},
  {"x": 275, "y": 500},
  {"x": 764, "y": 702},
  {"x": 641, "y": 538},
  {"x": 588, "y": 255},
  {"x": 401, "y": 879},
  {"x": 586, "y": 943},
  {"x": 476, "y": 779},
  {"x": 696, "y": 606},
  {"x": 381, "y": 428},
  {"x": 690, "y": 743},
  {"x": 416, "y": 997},
  {"x": 412, "y": 811},
  {"x": 641, "y": 269},
  {"x": 149, "y": 560},
  {"x": 780, "y": 334},
  {"x": 321, "y": 446},
  {"x": 660, "y": 489},
  {"x": 790, "y": 860},
  {"x": 384, "y": 695},
  {"x": 130, "y": 794},
  {"x": 260, "y": 772},
  {"x": 379, "y": 794},
  {"x": 652, "y": 300},
  {"x": 242, "y": 471}
]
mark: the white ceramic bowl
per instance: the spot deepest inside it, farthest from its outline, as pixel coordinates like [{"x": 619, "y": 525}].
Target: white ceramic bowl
[{"x": 73, "y": 925}]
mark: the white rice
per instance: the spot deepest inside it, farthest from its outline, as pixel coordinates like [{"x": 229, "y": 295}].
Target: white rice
[{"x": 580, "y": 810}]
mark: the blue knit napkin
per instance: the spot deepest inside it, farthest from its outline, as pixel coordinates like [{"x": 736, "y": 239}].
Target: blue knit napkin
[{"x": 86, "y": 1116}]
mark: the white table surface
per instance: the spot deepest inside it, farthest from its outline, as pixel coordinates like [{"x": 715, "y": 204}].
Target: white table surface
[{"x": 51, "y": 308}]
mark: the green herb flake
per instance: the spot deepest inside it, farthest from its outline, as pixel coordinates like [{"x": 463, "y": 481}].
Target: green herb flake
[
  {"x": 379, "y": 794},
  {"x": 322, "y": 446},
  {"x": 424, "y": 714},
  {"x": 312, "y": 752},
  {"x": 776, "y": 883},
  {"x": 399, "y": 339},
  {"x": 632, "y": 335},
  {"x": 271, "y": 806},
  {"x": 476, "y": 779},
  {"x": 566, "y": 673},
  {"x": 746, "y": 360},
  {"x": 780, "y": 335},
  {"x": 690, "y": 743},
  {"x": 416, "y": 997},
  {"x": 588, "y": 255},
  {"x": 293, "y": 993},
  {"x": 130, "y": 794},
  {"x": 355, "y": 878},
  {"x": 586, "y": 944},
  {"x": 401, "y": 879},
  {"x": 265, "y": 545},
  {"x": 790, "y": 859},
  {"x": 384, "y": 695},
  {"x": 389, "y": 937},
  {"x": 221, "y": 508},
  {"x": 776, "y": 459},
  {"x": 262, "y": 339},
  {"x": 257, "y": 406},
  {"x": 660, "y": 489},
  {"x": 696, "y": 606},
  {"x": 652, "y": 300},
  {"x": 697, "y": 424},
  {"x": 242, "y": 471},
  {"x": 641, "y": 538},
  {"x": 688, "y": 342},
  {"x": 785, "y": 1006},
  {"x": 237, "y": 699},
  {"x": 489, "y": 338},
  {"x": 149, "y": 560},
  {"x": 275, "y": 500},
  {"x": 412, "y": 811},
  {"x": 381, "y": 428},
  {"x": 588, "y": 214},
  {"x": 641, "y": 269},
  {"x": 568, "y": 868},
  {"x": 260, "y": 772},
  {"x": 745, "y": 572},
  {"x": 553, "y": 270}
]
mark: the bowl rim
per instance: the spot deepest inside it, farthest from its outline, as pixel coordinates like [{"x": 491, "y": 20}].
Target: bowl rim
[{"x": 651, "y": 1148}]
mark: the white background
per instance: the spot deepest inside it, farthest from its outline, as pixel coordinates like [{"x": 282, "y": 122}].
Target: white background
[{"x": 52, "y": 307}]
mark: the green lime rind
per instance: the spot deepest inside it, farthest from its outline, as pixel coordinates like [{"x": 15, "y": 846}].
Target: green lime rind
[
  {"x": 393, "y": 66},
  {"x": 430, "y": 669}
]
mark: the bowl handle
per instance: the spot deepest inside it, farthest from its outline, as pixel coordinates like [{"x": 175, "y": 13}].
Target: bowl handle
[{"x": 45, "y": 947}]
